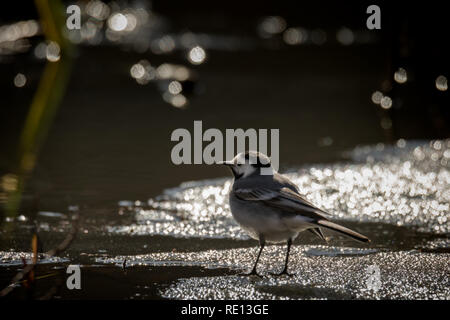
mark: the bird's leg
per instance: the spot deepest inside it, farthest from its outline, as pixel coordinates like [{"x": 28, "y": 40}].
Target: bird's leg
[
  {"x": 289, "y": 243},
  {"x": 253, "y": 272}
]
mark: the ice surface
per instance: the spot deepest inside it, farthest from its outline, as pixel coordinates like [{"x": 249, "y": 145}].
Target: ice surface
[
  {"x": 321, "y": 272},
  {"x": 397, "y": 195},
  {"x": 14, "y": 258}
]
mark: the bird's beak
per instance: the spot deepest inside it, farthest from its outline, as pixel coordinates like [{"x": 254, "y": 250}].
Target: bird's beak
[{"x": 230, "y": 164}]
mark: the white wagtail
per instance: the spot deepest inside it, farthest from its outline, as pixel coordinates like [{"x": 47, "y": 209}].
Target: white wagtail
[{"x": 270, "y": 208}]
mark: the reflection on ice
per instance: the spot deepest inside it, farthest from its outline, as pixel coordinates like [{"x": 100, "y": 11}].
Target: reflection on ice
[
  {"x": 403, "y": 185},
  {"x": 337, "y": 251},
  {"x": 14, "y": 258},
  {"x": 341, "y": 275}
]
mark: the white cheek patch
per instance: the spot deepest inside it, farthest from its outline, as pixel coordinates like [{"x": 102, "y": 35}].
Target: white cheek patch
[{"x": 247, "y": 170}]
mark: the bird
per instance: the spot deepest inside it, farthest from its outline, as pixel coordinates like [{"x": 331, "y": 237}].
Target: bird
[{"x": 270, "y": 208}]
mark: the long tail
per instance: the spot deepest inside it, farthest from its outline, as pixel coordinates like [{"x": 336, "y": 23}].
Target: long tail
[{"x": 338, "y": 228}]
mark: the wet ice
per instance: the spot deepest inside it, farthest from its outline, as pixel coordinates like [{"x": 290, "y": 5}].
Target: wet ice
[{"x": 321, "y": 272}]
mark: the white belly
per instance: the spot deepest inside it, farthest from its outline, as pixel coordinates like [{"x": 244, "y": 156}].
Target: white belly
[{"x": 260, "y": 221}]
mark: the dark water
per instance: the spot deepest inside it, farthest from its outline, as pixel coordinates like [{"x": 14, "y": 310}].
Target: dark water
[{"x": 116, "y": 133}]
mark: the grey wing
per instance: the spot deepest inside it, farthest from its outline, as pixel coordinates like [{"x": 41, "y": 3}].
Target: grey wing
[
  {"x": 285, "y": 199},
  {"x": 286, "y": 182}
]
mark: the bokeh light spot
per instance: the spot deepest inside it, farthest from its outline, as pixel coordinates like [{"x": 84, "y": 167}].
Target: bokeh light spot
[
  {"x": 117, "y": 22},
  {"x": 386, "y": 102},
  {"x": 20, "y": 80},
  {"x": 197, "y": 55},
  {"x": 441, "y": 83},
  {"x": 400, "y": 76}
]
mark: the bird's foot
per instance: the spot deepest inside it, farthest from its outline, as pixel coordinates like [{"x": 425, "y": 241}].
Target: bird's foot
[
  {"x": 282, "y": 273},
  {"x": 251, "y": 273}
]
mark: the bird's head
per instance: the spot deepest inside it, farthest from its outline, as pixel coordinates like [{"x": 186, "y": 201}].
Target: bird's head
[{"x": 249, "y": 163}]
